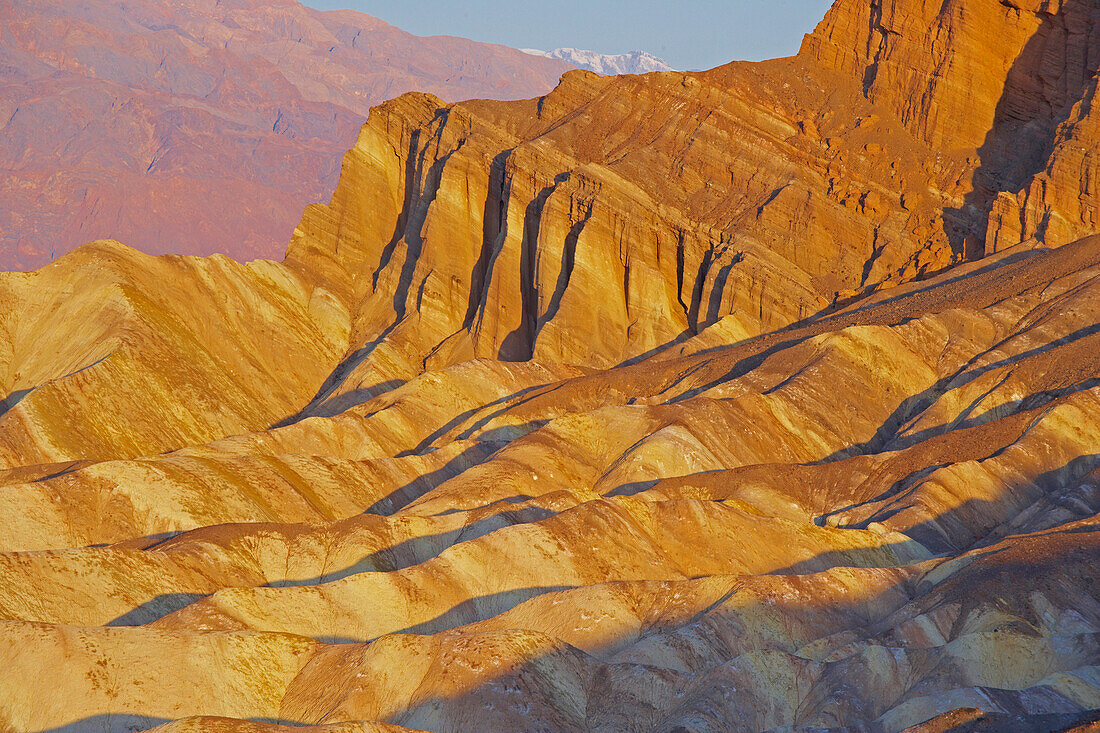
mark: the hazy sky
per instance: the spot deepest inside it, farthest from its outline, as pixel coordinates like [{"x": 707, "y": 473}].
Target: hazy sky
[{"x": 690, "y": 34}]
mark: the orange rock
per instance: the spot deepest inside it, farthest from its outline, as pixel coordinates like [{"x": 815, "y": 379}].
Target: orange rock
[{"x": 664, "y": 402}]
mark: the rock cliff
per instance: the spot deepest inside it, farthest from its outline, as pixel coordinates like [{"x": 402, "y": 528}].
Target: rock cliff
[
  {"x": 1010, "y": 83},
  {"x": 614, "y": 216}
]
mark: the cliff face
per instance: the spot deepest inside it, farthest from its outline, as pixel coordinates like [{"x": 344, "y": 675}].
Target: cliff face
[
  {"x": 954, "y": 70},
  {"x": 904, "y": 137},
  {"x": 616, "y": 215},
  {"x": 199, "y": 127},
  {"x": 666, "y": 402},
  {"x": 1011, "y": 81}
]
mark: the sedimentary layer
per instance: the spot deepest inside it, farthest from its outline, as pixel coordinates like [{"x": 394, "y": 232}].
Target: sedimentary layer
[{"x": 721, "y": 401}]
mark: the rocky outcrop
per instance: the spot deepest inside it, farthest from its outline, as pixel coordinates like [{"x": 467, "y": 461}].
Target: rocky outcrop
[
  {"x": 1060, "y": 202},
  {"x": 646, "y": 210},
  {"x": 615, "y": 216},
  {"x": 1007, "y": 83},
  {"x": 199, "y": 127}
]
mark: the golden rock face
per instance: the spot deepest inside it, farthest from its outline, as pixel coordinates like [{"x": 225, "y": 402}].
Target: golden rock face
[{"x": 673, "y": 402}]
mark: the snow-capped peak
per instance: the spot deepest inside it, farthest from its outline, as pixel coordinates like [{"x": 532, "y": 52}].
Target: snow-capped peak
[{"x": 635, "y": 62}]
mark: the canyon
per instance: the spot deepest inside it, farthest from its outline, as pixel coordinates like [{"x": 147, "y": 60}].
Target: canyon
[{"x": 759, "y": 398}]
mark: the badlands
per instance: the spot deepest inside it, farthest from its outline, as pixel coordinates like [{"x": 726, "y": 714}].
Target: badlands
[{"x": 760, "y": 398}]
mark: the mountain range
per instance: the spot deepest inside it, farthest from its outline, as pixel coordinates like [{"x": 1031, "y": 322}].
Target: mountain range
[
  {"x": 759, "y": 398},
  {"x": 635, "y": 62},
  {"x": 202, "y": 126}
]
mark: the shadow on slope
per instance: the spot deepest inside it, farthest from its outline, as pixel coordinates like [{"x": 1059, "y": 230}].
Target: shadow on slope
[
  {"x": 609, "y": 675},
  {"x": 1025, "y": 123}
]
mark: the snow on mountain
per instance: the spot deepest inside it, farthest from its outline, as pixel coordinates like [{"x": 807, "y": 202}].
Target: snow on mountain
[{"x": 635, "y": 62}]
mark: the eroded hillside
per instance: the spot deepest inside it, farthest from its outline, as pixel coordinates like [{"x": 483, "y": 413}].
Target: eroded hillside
[{"x": 738, "y": 400}]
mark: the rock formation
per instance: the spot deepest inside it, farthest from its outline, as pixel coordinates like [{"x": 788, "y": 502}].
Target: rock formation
[
  {"x": 1011, "y": 82},
  {"x": 199, "y": 127},
  {"x": 733, "y": 400}
]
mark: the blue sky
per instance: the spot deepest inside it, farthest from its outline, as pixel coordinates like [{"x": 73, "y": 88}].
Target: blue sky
[{"x": 690, "y": 34}]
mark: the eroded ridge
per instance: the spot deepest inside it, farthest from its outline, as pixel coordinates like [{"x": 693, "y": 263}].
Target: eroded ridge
[{"x": 652, "y": 404}]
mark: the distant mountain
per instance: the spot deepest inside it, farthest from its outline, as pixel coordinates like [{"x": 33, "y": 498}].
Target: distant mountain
[
  {"x": 196, "y": 126},
  {"x": 635, "y": 62}
]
